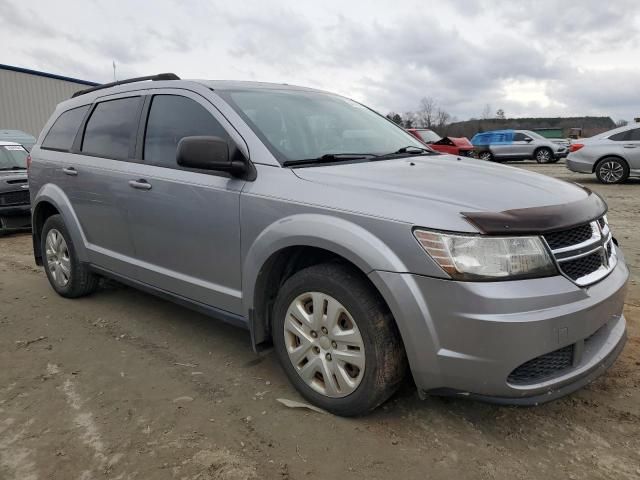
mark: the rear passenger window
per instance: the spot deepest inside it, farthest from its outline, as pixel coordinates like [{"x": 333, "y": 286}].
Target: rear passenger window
[
  {"x": 620, "y": 137},
  {"x": 634, "y": 134},
  {"x": 111, "y": 129},
  {"x": 519, "y": 137},
  {"x": 172, "y": 118},
  {"x": 63, "y": 131}
]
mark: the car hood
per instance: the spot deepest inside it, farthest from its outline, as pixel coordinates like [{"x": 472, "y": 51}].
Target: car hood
[{"x": 433, "y": 191}]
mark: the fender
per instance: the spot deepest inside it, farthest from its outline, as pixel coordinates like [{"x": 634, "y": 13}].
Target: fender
[
  {"x": 55, "y": 196},
  {"x": 336, "y": 235}
]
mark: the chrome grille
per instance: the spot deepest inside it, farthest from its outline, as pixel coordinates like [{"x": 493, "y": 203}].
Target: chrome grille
[
  {"x": 583, "y": 266},
  {"x": 585, "y": 254},
  {"x": 569, "y": 237}
]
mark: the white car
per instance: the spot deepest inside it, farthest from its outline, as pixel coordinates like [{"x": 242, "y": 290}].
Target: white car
[{"x": 613, "y": 156}]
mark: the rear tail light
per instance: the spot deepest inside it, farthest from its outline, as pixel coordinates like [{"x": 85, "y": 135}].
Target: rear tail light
[
  {"x": 574, "y": 147},
  {"x": 28, "y": 161}
]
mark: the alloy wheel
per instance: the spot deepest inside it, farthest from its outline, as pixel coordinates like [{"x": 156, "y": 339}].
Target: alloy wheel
[
  {"x": 543, "y": 156},
  {"x": 611, "y": 172},
  {"x": 324, "y": 344},
  {"x": 57, "y": 257}
]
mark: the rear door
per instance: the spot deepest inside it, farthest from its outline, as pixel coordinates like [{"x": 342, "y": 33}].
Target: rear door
[
  {"x": 185, "y": 223},
  {"x": 95, "y": 179}
]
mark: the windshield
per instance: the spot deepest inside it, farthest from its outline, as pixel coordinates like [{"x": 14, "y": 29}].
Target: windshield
[
  {"x": 298, "y": 125},
  {"x": 12, "y": 157},
  {"x": 534, "y": 135},
  {"x": 429, "y": 136}
]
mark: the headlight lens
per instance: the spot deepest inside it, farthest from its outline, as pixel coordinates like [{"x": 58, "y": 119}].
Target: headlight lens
[{"x": 474, "y": 257}]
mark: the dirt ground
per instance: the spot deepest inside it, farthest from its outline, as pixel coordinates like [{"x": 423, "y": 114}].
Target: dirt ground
[{"x": 122, "y": 385}]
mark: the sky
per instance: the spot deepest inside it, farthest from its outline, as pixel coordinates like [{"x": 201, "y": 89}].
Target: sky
[{"x": 529, "y": 58}]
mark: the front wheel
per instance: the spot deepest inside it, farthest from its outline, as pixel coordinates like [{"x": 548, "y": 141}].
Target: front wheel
[
  {"x": 336, "y": 340},
  {"x": 486, "y": 155}
]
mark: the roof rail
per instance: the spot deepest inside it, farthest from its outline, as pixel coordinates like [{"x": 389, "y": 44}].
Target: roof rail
[{"x": 159, "y": 76}]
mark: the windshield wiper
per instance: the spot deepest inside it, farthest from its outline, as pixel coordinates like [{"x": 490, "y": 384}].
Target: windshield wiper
[
  {"x": 13, "y": 168},
  {"x": 328, "y": 158},
  {"x": 409, "y": 150}
]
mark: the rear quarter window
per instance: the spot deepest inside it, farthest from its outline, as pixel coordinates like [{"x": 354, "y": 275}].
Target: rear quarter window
[
  {"x": 63, "y": 131},
  {"x": 620, "y": 137}
]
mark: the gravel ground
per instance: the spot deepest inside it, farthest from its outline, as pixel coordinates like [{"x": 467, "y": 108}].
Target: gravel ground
[{"x": 122, "y": 385}]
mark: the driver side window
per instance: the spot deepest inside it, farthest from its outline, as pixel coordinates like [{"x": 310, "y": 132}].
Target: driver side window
[
  {"x": 520, "y": 137},
  {"x": 171, "y": 118}
]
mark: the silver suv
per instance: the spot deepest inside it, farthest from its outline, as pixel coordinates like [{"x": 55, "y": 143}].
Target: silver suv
[
  {"x": 332, "y": 234},
  {"x": 507, "y": 145}
]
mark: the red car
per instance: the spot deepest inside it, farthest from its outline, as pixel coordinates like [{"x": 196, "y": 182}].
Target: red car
[{"x": 452, "y": 145}]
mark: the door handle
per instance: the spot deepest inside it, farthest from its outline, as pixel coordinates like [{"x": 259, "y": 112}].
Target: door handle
[
  {"x": 141, "y": 184},
  {"x": 630, "y": 146},
  {"x": 70, "y": 171}
]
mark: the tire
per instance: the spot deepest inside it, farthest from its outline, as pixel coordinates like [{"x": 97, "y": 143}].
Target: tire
[
  {"x": 544, "y": 155},
  {"x": 486, "y": 156},
  {"x": 58, "y": 251},
  {"x": 612, "y": 170},
  {"x": 381, "y": 351}
]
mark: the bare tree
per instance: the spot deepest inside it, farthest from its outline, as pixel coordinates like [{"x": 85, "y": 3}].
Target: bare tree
[
  {"x": 486, "y": 112},
  {"x": 442, "y": 118},
  {"x": 622, "y": 123},
  {"x": 426, "y": 114},
  {"x": 409, "y": 119}
]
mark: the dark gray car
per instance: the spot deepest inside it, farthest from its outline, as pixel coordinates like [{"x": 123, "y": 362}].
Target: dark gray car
[
  {"x": 330, "y": 233},
  {"x": 15, "y": 210}
]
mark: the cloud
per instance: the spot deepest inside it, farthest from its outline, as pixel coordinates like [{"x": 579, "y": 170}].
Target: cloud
[{"x": 529, "y": 57}]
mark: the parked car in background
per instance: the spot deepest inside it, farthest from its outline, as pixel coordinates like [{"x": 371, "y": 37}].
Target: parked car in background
[
  {"x": 613, "y": 156},
  {"x": 18, "y": 136},
  {"x": 15, "y": 209},
  {"x": 506, "y": 145},
  {"x": 452, "y": 145},
  {"x": 333, "y": 235}
]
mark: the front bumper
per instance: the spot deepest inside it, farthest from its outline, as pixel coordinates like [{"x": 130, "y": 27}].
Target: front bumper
[
  {"x": 467, "y": 337},
  {"x": 561, "y": 154},
  {"x": 15, "y": 217}
]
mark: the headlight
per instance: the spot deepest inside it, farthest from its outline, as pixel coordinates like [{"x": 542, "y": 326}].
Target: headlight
[{"x": 474, "y": 257}]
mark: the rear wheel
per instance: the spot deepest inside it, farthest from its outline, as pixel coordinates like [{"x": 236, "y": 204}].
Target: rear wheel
[
  {"x": 336, "y": 340},
  {"x": 544, "y": 155},
  {"x": 66, "y": 274},
  {"x": 612, "y": 170}
]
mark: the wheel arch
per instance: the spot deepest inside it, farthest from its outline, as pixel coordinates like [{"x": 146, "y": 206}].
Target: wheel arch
[
  {"x": 300, "y": 241},
  {"x": 51, "y": 200}
]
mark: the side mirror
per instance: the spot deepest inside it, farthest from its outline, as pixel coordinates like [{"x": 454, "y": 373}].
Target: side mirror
[
  {"x": 208, "y": 153},
  {"x": 528, "y": 139}
]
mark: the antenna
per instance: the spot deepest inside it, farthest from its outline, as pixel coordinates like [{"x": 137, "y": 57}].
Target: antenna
[{"x": 114, "y": 71}]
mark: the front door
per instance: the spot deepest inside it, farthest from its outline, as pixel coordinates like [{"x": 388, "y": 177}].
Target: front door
[{"x": 185, "y": 223}]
